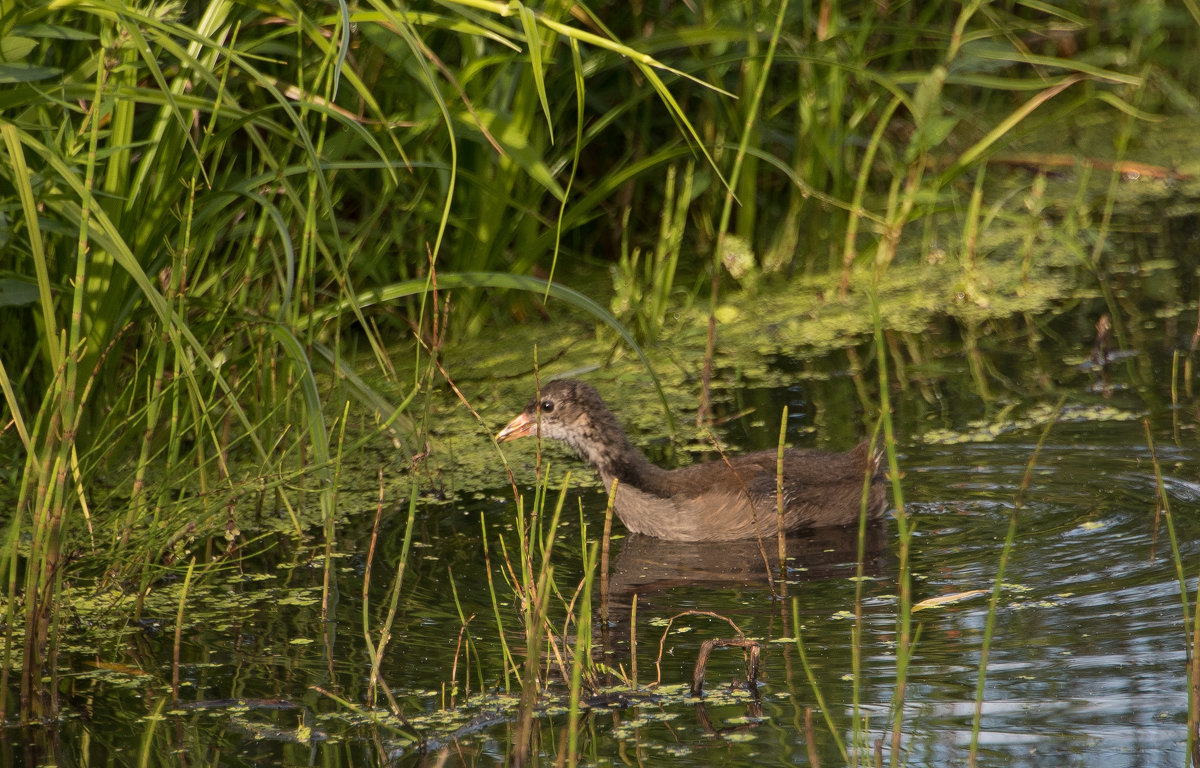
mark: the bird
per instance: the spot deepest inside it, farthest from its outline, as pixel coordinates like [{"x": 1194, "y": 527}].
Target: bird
[{"x": 725, "y": 500}]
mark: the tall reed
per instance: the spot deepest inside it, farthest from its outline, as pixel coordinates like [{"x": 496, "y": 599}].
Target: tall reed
[{"x": 998, "y": 585}]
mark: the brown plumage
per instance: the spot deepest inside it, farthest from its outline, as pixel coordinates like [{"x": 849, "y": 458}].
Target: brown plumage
[{"x": 715, "y": 501}]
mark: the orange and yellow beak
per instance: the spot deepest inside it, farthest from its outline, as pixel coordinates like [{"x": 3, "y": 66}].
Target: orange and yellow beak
[{"x": 522, "y": 426}]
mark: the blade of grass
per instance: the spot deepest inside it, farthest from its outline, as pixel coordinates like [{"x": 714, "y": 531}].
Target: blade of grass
[{"x": 998, "y": 585}]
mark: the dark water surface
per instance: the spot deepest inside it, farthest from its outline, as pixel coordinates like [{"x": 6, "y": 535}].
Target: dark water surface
[{"x": 1088, "y": 663}]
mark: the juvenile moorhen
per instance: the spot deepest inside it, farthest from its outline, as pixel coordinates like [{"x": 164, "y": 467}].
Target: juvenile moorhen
[{"x": 715, "y": 501}]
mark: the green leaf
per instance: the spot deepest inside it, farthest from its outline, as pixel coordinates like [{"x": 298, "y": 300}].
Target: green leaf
[
  {"x": 534, "y": 43},
  {"x": 54, "y": 31},
  {"x": 17, "y": 293},
  {"x": 25, "y": 73},
  {"x": 15, "y": 47}
]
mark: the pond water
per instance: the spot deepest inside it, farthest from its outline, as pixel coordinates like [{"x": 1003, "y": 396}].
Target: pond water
[{"x": 1088, "y": 661}]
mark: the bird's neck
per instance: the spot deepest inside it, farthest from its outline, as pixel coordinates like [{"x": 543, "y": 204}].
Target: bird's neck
[
  {"x": 631, "y": 469},
  {"x": 614, "y": 458}
]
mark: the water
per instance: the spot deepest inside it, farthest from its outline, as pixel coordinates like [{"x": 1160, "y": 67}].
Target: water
[
  {"x": 1088, "y": 662},
  {"x": 1089, "y": 656}
]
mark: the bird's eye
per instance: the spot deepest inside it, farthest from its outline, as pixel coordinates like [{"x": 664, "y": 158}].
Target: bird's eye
[{"x": 547, "y": 406}]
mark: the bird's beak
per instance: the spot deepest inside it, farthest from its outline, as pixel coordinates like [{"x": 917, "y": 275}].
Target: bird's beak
[{"x": 522, "y": 426}]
